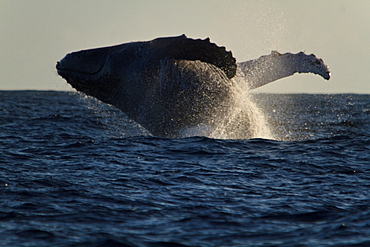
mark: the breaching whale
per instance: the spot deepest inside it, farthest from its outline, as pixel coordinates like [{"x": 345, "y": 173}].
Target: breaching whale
[{"x": 172, "y": 83}]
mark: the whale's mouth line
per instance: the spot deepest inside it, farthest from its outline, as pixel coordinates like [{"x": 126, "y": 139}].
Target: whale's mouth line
[
  {"x": 62, "y": 71},
  {"x": 80, "y": 80}
]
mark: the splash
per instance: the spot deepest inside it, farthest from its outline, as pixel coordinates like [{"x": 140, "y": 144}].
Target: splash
[
  {"x": 237, "y": 118},
  {"x": 245, "y": 110}
]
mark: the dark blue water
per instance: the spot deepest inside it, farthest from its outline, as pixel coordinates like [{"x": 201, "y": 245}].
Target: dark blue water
[{"x": 75, "y": 172}]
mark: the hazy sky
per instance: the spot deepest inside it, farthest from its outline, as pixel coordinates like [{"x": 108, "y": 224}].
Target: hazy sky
[{"x": 36, "y": 34}]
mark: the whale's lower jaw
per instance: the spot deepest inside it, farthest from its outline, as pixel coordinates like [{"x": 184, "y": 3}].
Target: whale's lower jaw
[
  {"x": 89, "y": 85},
  {"x": 77, "y": 81}
]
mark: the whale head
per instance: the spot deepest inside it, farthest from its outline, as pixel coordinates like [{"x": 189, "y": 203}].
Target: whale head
[{"x": 95, "y": 72}]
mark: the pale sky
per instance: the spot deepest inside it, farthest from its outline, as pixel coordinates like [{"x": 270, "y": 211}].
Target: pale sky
[{"x": 36, "y": 34}]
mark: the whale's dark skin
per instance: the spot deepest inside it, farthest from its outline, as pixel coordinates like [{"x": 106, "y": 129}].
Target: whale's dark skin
[
  {"x": 160, "y": 84},
  {"x": 166, "y": 84}
]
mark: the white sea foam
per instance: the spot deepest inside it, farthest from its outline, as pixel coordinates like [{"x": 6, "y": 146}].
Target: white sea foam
[{"x": 238, "y": 118}]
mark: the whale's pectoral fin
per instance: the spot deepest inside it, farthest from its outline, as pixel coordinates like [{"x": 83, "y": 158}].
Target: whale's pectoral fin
[
  {"x": 183, "y": 48},
  {"x": 275, "y": 66}
]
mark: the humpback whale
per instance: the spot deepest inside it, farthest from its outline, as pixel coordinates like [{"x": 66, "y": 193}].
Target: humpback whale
[{"x": 172, "y": 83}]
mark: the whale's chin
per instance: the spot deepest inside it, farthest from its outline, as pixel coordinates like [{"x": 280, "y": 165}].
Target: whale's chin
[{"x": 75, "y": 80}]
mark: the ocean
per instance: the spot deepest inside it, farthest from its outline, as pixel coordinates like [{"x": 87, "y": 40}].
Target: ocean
[{"x": 77, "y": 172}]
